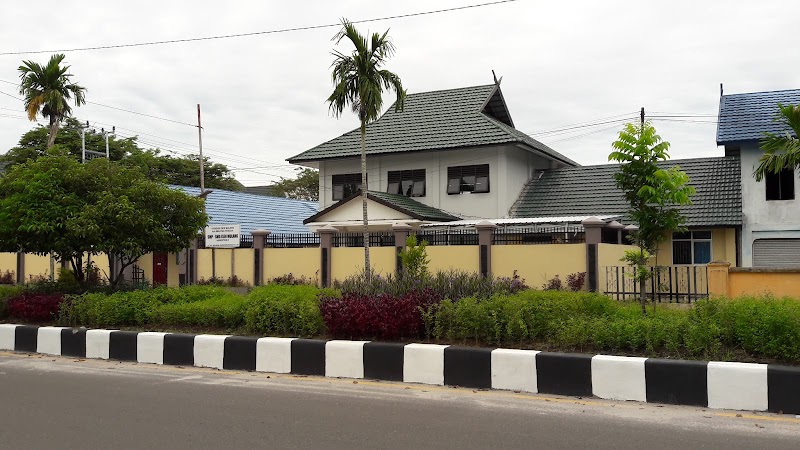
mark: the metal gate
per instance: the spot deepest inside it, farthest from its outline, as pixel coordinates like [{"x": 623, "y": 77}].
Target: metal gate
[{"x": 668, "y": 284}]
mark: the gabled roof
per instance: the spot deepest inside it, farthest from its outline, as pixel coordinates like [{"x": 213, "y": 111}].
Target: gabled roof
[
  {"x": 591, "y": 190},
  {"x": 746, "y": 117},
  {"x": 437, "y": 120},
  {"x": 401, "y": 203},
  {"x": 252, "y": 212}
]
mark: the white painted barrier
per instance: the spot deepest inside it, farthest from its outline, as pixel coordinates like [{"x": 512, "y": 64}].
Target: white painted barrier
[
  {"x": 423, "y": 363},
  {"x": 344, "y": 359},
  {"x": 150, "y": 347},
  {"x": 98, "y": 343},
  {"x": 514, "y": 370},
  {"x": 274, "y": 355},
  {"x": 48, "y": 340},
  {"x": 209, "y": 350},
  {"x": 7, "y": 336},
  {"x": 737, "y": 386},
  {"x": 619, "y": 378}
]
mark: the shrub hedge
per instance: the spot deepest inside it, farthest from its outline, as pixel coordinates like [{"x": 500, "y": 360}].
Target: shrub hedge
[
  {"x": 285, "y": 310},
  {"x": 7, "y": 292},
  {"x": 34, "y": 306}
]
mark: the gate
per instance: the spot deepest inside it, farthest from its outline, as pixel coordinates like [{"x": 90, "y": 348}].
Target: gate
[{"x": 667, "y": 284}]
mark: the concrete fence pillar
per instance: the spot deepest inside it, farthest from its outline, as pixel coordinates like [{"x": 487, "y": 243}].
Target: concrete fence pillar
[
  {"x": 259, "y": 244},
  {"x": 617, "y": 227},
  {"x": 191, "y": 263},
  {"x": 326, "y": 234},
  {"x": 401, "y": 233},
  {"x": 718, "y": 278},
  {"x": 593, "y": 230},
  {"x": 485, "y": 240}
]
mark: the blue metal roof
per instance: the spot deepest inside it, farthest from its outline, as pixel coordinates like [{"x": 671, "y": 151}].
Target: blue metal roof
[
  {"x": 746, "y": 117},
  {"x": 253, "y": 212}
]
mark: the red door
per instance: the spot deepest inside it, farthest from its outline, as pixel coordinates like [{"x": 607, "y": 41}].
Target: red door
[{"x": 159, "y": 268}]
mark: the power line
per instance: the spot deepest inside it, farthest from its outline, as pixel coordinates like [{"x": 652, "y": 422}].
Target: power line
[{"x": 256, "y": 33}]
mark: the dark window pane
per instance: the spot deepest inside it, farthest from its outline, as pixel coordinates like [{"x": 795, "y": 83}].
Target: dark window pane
[
  {"x": 787, "y": 184},
  {"x": 419, "y": 189},
  {"x": 682, "y": 235},
  {"x": 454, "y": 185},
  {"x": 772, "y": 182},
  {"x": 468, "y": 183},
  {"x": 702, "y": 252},
  {"x": 681, "y": 252},
  {"x": 701, "y": 234},
  {"x": 482, "y": 184},
  {"x": 406, "y": 186}
]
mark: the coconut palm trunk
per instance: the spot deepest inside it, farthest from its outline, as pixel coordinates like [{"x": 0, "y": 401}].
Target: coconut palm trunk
[{"x": 364, "y": 187}]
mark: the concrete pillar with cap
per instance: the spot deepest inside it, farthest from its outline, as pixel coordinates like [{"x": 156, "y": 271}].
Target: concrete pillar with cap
[
  {"x": 259, "y": 244},
  {"x": 326, "y": 234},
  {"x": 593, "y": 230},
  {"x": 616, "y": 226},
  {"x": 485, "y": 239},
  {"x": 401, "y": 233}
]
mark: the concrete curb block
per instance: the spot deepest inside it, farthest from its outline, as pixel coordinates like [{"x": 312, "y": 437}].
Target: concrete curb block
[{"x": 720, "y": 385}]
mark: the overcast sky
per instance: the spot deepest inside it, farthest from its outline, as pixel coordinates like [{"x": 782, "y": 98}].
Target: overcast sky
[{"x": 263, "y": 97}]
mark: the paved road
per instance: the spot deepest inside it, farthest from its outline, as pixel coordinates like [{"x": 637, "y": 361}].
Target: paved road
[{"x": 70, "y": 403}]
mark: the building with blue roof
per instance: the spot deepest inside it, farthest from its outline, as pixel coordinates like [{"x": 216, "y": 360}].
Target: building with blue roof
[
  {"x": 253, "y": 212},
  {"x": 770, "y": 234}
]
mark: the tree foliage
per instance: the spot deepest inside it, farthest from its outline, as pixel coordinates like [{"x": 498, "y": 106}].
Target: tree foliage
[
  {"x": 652, "y": 192},
  {"x": 182, "y": 170},
  {"x": 54, "y": 204},
  {"x": 304, "y": 187},
  {"x": 781, "y": 150},
  {"x": 47, "y": 90},
  {"x": 359, "y": 81}
]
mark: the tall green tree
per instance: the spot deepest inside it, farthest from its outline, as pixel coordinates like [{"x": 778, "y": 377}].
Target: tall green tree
[
  {"x": 781, "y": 150},
  {"x": 359, "y": 81},
  {"x": 652, "y": 193},
  {"x": 304, "y": 187},
  {"x": 48, "y": 90},
  {"x": 56, "y": 205}
]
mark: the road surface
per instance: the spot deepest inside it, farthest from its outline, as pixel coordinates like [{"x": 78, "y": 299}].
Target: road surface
[{"x": 75, "y": 403}]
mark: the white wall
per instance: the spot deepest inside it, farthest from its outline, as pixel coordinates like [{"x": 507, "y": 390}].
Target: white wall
[
  {"x": 762, "y": 219},
  {"x": 510, "y": 167}
]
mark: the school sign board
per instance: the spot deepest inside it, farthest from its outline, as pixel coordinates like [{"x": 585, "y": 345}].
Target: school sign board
[{"x": 223, "y": 236}]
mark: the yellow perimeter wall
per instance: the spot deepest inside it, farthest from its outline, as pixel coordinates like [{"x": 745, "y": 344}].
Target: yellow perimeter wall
[
  {"x": 609, "y": 255},
  {"x": 779, "y": 284},
  {"x": 300, "y": 262},
  {"x": 244, "y": 264},
  {"x": 348, "y": 261},
  {"x": 445, "y": 258},
  {"x": 538, "y": 263}
]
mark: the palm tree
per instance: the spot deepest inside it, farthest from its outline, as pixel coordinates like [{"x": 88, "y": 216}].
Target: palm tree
[
  {"x": 48, "y": 89},
  {"x": 359, "y": 83},
  {"x": 781, "y": 151}
]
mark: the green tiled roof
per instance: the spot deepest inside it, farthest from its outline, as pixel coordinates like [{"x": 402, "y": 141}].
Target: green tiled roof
[
  {"x": 434, "y": 121},
  {"x": 401, "y": 202},
  {"x": 590, "y": 190}
]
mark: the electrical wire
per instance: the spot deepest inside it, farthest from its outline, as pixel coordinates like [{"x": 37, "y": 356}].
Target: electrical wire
[{"x": 255, "y": 33}]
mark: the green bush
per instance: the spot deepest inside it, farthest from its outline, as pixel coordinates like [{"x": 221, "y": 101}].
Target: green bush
[
  {"x": 285, "y": 310},
  {"x": 132, "y": 307},
  {"x": 225, "y": 312},
  {"x": 6, "y": 292}
]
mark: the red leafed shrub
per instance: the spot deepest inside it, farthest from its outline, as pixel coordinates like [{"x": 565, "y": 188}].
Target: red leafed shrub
[
  {"x": 35, "y": 307},
  {"x": 381, "y": 317}
]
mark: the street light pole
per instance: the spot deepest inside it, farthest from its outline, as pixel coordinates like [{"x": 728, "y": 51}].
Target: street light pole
[{"x": 200, "y": 142}]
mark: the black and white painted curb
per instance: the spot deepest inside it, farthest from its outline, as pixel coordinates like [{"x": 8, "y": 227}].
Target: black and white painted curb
[{"x": 724, "y": 385}]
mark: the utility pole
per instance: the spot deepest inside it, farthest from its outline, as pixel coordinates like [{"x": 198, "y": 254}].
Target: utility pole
[
  {"x": 641, "y": 115},
  {"x": 83, "y": 142},
  {"x": 200, "y": 142},
  {"x": 105, "y": 135}
]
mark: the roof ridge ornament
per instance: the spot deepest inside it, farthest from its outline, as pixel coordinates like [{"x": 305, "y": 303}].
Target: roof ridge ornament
[{"x": 496, "y": 81}]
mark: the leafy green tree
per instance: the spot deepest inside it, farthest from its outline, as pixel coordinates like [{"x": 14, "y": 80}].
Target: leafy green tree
[
  {"x": 414, "y": 258},
  {"x": 47, "y": 90},
  {"x": 359, "y": 82},
  {"x": 651, "y": 192},
  {"x": 181, "y": 170},
  {"x": 304, "y": 187},
  {"x": 54, "y": 204},
  {"x": 781, "y": 150}
]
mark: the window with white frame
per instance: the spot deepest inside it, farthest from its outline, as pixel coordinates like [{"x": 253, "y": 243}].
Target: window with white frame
[
  {"x": 474, "y": 179},
  {"x": 345, "y": 185},
  {"x": 410, "y": 183},
  {"x": 691, "y": 247}
]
